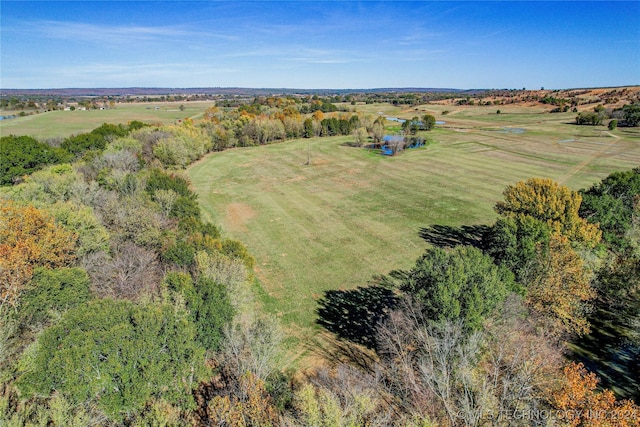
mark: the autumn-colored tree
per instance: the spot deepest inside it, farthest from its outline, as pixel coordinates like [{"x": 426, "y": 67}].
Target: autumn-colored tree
[
  {"x": 251, "y": 407},
  {"x": 29, "y": 238},
  {"x": 552, "y": 203},
  {"x": 580, "y": 404},
  {"x": 318, "y": 115},
  {"x": 560, "y": 286}
]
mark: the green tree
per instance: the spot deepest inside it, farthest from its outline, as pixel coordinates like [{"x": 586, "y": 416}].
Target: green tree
[
  {"x": 116, "y": 354},
  {"x": 514, "y": 243},
  {"x": 611, "y": 203},
  {"x": 208, "y": 304},
  {"x": 52, "y": 292},
  {"x": 631, "y": 115},
  {"x": 458, "y": 284},
  {"x": 22, "y": 155},
  {"x": 590, "y": 118},
  {"x": 308, "y": 128},
  {"x": 428, "y": 122}
]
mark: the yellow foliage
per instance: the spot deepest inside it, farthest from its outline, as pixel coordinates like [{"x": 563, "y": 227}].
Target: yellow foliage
[
  {"x": 29, "y": 238},
  {"x": 561, "y": 287},
  {"x": 552, "y": 203},
  {"x": 252, "y": 406},
  {"x": 580, "y": 404}
]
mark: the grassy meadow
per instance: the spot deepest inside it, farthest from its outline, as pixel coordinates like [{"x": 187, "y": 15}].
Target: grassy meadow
[
  {"x": 67, "y": 123},
  {"x": 352, "y": 213}
]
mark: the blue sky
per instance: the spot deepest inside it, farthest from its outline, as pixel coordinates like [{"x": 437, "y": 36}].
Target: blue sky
[{"x": 316, "y": 44}]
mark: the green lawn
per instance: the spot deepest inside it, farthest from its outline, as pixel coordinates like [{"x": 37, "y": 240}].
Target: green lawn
[
  {"x": 66, "y": 123},
  {"x": 353, "y": 213}
]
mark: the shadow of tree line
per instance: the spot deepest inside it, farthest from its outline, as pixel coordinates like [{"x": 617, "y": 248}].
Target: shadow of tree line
[
  {"x": 444, "y": 236},
  {"x": 354, "y": 314}
]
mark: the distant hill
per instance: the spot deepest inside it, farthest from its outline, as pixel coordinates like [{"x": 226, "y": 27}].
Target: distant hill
[{"x": 226, "y": 91}]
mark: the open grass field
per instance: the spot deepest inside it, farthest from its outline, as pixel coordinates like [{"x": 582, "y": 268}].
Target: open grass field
[
  {"x": 66, "y": 123},
  {"x": 353, "y": 213}
]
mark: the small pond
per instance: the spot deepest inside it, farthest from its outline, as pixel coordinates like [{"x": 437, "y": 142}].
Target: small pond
[{"x": 512, "y": 130}]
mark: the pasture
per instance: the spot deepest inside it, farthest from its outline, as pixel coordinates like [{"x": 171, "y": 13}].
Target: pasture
[
  {"x": 353, "y": 214},
  {"x": 66, "y": 123}
]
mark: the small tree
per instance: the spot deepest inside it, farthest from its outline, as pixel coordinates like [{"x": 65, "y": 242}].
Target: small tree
[
  {"x": 613, "y": 124},
  {"x": 360, "y": 135},
  {"x": 428, "y": 121}
]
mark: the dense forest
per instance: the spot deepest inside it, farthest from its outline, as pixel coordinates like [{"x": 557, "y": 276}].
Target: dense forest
[{"x": 121, "y": 305}]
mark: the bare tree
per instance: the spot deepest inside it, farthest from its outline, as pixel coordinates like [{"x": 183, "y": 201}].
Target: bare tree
[
  {"x": 131, "y": 272},
  {"x": 458, "y": 378}
]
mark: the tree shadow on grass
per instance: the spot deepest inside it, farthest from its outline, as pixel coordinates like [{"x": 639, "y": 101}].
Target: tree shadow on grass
[
  {"x": 354, "y": 314},
  {"x": 337, "y": 351},
  {"x": 444, "y": 236}
]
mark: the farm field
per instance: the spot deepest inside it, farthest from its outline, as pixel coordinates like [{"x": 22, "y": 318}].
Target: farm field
[
  {"x": 353, "y": 214},
  {"x": 66, "y": 123}
]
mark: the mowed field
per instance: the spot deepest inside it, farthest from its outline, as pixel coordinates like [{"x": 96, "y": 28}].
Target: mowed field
[
  {"x": 353, "y": 214},
  {"x": 67, "y": 123}
]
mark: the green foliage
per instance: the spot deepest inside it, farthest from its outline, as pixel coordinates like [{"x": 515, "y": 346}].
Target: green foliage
[
  {"x": 590, "y": 118},
  {"x": 133, "y": 218},
  {"x": 82, "y": 220},
  {"x": 219, "y": 268},
  {"x": 428, "y": 122},
  {"x": 554, "y": 101},
  {"x": 185, "y": 207},
  {"x": 180, "y": 253},
  {"x": 52, "y": 184},
  {"x": 181, "y": 145},
  {"x": 159, "y": 180},
  {"x": 308, "y": 128},
  {"x": 613, "y": 124},
  {"x": 22, "y": 155},
  {"x": 236, "y": 250},
  {"x": 118, "y": 354},
  {"x": 52, "y": 292},
  {"x": 631, "y": 115},
  {"x": 514, "y": 243},
  {"x": 191, "y": 225},
  {"x": 610, "y": 203},
  {"x": 55, "y": 411},
  {"x": 209, "y": 307},
  {"x": 462, "y": 283},
  {"x": 97, "y": 139}
]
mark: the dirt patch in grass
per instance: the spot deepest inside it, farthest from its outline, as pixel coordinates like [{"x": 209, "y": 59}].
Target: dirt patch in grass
[{"x": 237, "y": 216}]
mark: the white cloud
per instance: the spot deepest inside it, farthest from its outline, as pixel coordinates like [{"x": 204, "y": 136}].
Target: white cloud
[{"x": 115, "y": 34}]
